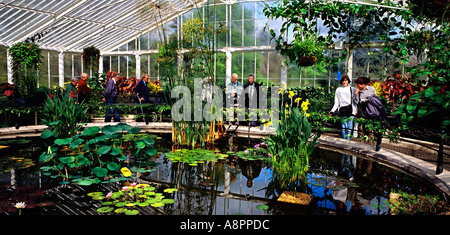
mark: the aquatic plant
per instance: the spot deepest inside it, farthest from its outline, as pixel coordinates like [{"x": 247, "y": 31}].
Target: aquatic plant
[
  {"x": 258, "y": 152},
  {"x": 195, "y": 156},
  {"x": 94, "y": 156},
  {"x": 62, "y": 116},
  {"x": 126, "y": 200},
  {"x": 290, "y": 148}
]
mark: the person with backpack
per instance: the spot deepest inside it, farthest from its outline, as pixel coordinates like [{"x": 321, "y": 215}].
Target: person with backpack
[{"x": 369, "y": 105}]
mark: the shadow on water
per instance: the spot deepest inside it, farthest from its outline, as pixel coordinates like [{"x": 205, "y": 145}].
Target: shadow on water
[{"x": 339, "y": 183}]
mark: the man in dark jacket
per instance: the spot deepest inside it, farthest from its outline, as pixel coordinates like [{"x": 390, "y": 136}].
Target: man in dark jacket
[
  {"x": 110, "y": 97},
  {"x": 142, "y": 89},
  {"x": 251, "y": 90}
]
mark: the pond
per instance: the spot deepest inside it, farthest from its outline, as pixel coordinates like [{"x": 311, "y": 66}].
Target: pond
[{"x": 339, "y": 183}]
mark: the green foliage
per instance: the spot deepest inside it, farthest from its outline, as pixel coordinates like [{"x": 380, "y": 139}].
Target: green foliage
[
  {"x": 26, "y": 58},
  {"x": 194, "y": 156},
  {"x": 290, "y": 148},
  {"x": 429, "y": 107},
  {"x": 91, "y": 55},
  {"x": 93, "y": 156},
  {"x": 126, "y": 200},
  {"x": 62, "y": 116}
]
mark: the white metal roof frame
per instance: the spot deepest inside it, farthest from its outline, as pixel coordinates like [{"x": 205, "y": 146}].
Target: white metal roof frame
[{"x": 71, "y": 25}]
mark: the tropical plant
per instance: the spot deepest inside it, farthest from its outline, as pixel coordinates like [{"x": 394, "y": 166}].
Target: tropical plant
[
  {"x": 291, "y": 147},
  {"x": 93, "y": 157},
  {"x": 62, "y": 116}
]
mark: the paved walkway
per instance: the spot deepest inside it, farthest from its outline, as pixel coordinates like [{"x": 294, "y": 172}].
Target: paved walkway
[{"x": 416, "y": 157}]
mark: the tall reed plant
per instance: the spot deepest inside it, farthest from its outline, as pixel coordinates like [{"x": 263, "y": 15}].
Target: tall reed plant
[{"x": 290, "y": 148}]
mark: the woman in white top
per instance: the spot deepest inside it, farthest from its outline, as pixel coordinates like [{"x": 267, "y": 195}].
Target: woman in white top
[{"x": 342, "y": 98}]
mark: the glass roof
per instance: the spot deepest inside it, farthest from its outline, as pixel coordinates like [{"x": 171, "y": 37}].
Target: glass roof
[{"x": 71, "y": 25}]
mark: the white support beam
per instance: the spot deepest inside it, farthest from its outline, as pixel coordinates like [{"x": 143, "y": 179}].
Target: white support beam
[
  {"x": 138, "y": 66},
  {"x": 61, "y": 68},
  {"x": 9, "y": 67},
  {"x": 54, "y": 19},
  {"x": 228, "y": 67}
]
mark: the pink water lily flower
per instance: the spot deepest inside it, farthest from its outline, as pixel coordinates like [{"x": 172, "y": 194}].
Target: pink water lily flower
[
  {"x": 133, "y": 184},
  {"x": 108, "y": 195},
  {"x": 125, "y": 188}
]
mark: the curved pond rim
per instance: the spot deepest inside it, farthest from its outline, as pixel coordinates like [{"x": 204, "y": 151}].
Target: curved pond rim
[{"x": 398, "y": 161}]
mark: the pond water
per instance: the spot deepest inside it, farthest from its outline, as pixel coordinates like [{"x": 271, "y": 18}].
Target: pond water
[{"x": 339, "y": 183}]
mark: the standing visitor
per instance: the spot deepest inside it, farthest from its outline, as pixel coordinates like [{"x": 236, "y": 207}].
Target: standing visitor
[
  {"x": 142, "y": 89},
  {"x": 251, "y": 99},
  {"x": 368, "y": 105},
  {"x": 344, "y": 105},
  {"x": 71, "y": 90},
  {"x": 110, "y": 97},
  {"x": 83, "y": 90},
  {"x": 233, "y": 92}
]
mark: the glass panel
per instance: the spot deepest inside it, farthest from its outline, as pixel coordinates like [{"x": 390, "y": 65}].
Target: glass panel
[{"x": 3, "y": 65}]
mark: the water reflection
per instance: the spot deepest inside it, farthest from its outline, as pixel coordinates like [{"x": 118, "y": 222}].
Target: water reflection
[{"x": 340, "y": 184}]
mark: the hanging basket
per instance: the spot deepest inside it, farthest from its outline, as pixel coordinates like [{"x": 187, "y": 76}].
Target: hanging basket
[{"x": 305, "y": 61}]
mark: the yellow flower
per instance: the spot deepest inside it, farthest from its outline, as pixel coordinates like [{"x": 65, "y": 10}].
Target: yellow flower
[
  {"x": 280, "y": 90},
  {"x": 287, "y": 106},
  {"x": 291, "y": 94},
  {"x": 126, "y": 172},
  {"x": 305, "y": 105},
  {"x": 297, "y": 100},
  {"x": 269, "y": 123}
]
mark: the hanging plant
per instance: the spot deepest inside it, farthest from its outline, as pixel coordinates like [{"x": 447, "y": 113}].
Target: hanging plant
[
  {"x": 26, "y": 58},
  {"x": 91, "y": 56}
]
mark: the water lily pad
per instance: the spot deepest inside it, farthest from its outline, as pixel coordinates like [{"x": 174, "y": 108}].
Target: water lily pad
[
  {"x": 67, "y": 160},
  {"x": 143, "y": 204},
  {"x": 115, "y": 151},
  {"x": 98, "y": 198},
  {"x": 120, "y": 210},
  {"x": 158, "y": 204},
  {"x": 46, "y": 134},
  {"x": 107, "y": 203},
  {"x": 85, "y": 182},
  {"x": 91, "y": 131},
  {"x": 168, "y": 201},
  {"x": 170, "y": 190},
  {"x": 63, "y": 141},
  {"x": 134, "y": 130},
  {"x": 131, "y": 212},
  {"x": 111, "y": 130},
  {"x": 76, "y": 143},
  {"x": 100, "y": 172},
  {"x": 104, "y": 150},
  {"x": 105, "y": 209},
  {"x": 112, "y": 166},
  {"x": 262, "y": 207},
  {"x": 94, "y": 194}
]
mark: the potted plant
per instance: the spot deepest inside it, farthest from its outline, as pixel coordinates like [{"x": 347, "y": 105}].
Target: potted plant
[{"x": 305, "y": 49}]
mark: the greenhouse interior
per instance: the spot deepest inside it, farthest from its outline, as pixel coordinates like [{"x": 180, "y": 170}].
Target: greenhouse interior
[{"x": 224, "y": 107}]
